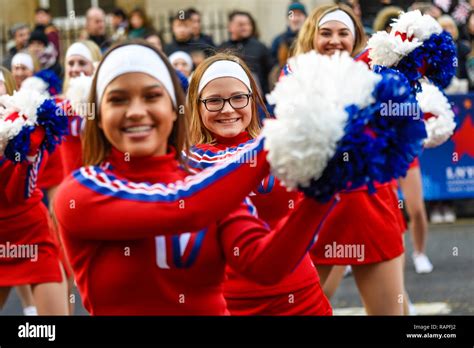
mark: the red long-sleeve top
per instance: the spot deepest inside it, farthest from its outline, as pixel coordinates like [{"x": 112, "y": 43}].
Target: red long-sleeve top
[{"x": 145, "y": 238}]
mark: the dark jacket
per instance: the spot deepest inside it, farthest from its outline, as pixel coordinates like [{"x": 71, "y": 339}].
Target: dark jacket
[{"x": 256, "y": 55}]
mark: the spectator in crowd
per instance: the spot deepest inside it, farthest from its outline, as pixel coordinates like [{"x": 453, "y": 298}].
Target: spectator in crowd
[
  {"x": 385, "y": 17},
  {"x": 44, "y": 51},
  {"x": 257, "y": 56},
  {"x": 195, "y": 18},
  {"x": 181, "y": 27},
  {"x": 182, "y": 62},
  {"x": 282, "y": 43},
  {"x": 43, "y": 22},
  {"x": 119, "y": 24},
  {"x": 155, "y": 39},
  {"x": 24, "y": 65},
  {"x": 463, "y": 50},
  {"x": 139, "y": 24},
  {"x": 20, "y": 33},
  {"x": 95, "y": 28}
]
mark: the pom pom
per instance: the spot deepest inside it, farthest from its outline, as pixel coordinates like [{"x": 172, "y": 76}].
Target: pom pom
[
  {"x": 416, "y": 26},
  {"x": 52, "y": 80},
  {"x": 34, "y": 83},
  {"x": 55, "y": 123},
  {"x": 311, "y": 116},
  {"x": 330, "y": 136},
  {"x": 387, "y": 50},
  {"x": 78, "y": 93},
  {"x": 441, "y": 126}
]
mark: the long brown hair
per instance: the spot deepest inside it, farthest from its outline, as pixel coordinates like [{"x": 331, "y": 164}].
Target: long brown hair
[
  {"x": 307, "y": 33},
  {"x": 96, "y": 146},
  {"x": 198, "y": 132},
  {"x": 10, "y": 85}
]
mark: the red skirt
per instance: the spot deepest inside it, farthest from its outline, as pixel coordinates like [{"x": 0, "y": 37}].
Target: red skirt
[
  {"x": 362, "y": 229},
  {"x": 306, "y": 301},
  {"x": 28, "y": 252}
]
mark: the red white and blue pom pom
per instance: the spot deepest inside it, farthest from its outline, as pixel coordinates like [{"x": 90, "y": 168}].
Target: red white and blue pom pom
[
  {"x": 329, "y": 134},
  {"x": 20, "y": 114},
  {"x": 417, "y": 46},
  {"x": 45, "y": 81}
]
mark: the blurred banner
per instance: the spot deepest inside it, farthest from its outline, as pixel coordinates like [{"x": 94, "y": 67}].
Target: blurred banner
[{"x": 448, "y": 170}]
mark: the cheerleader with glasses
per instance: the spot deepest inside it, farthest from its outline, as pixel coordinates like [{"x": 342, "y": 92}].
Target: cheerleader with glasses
[{"x": 223, "y": 101}]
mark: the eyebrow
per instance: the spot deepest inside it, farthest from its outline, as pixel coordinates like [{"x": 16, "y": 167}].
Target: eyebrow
[
  {"x": 219, "y": 96},
  {"x": 123, "y": 90}
]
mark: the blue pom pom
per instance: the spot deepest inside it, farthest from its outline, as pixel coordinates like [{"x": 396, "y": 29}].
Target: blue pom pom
[
  {"x": 54, "y": 120},
  {"x": 376, "y": 148},
  {"x": 18, "y": 147},
  {"x": 439, "y": 55},
  {"x": 53, "y": 81}
]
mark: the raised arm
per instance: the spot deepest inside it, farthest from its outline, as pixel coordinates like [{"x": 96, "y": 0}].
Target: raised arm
[
  {"x": 100, "y": 207},
  {"x": 266, "y": 256}
]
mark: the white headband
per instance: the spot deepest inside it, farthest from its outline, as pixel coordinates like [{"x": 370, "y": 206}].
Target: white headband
[
  {"x": 133, "y": 58},
  {"x": 224, "y": 68},
  {"x": 2, "y": 78},
  {"x": 23, "y": 59},
  {"x": 182, "y": 55},
  {"x": 79, "y": 49},
  {"x": 339, "y": 16}
]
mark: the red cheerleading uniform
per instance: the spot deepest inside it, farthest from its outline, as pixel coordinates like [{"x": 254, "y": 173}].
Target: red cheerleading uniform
[
  {"x": 145, "y": 238},
  {"x": 273, "y": 202},
  {"x": 25, "y": 227},
  {"x": 53, "y": 173},
  {"x": 71, "y": 148}
]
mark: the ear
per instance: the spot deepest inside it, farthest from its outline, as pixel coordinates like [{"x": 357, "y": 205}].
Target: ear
[{"x": 175, "y": 113}]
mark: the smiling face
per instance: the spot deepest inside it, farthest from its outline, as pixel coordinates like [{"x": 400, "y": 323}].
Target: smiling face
[
  {"x": 75, "y": 65},
  {"x": 228, "y": 122},
  {"x": 333, "y": 36},
  {"x": 137, "y": 118},
  {"x": 20, "y": 73}
]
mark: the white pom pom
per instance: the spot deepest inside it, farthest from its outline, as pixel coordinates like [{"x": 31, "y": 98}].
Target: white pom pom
[
  {"x": 310, "y": 111},
  {"x": 34, "y": 83},
  {"x": 416, "y": 25},
  {"x": 440, "y": 127},
  {"x": 26, "y": 103},
  {"x": 78, "y": 92}
]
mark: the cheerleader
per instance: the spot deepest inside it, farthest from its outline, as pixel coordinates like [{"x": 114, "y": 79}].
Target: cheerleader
[
  {"x": 23, "y": 66},
  {"x": 134, "y": 215},
  {"x": 25, "y": 225},
  {"x": 219, "y": 128},
  {"x": 365, "y": 230},
  {"x": 81, "y": 59}
]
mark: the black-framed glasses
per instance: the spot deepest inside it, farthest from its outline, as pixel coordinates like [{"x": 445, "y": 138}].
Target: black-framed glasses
[{"x": 237, "y": 102}]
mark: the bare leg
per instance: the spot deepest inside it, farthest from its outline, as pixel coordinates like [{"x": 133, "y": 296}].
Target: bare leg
[
  {"x": 333, "y": 280},
  {"x": 51, "y": 298},
  {"x": 412, "y": 190},
  {"x": 381, "y": 286},
  {"x": 323, "y": 271}
]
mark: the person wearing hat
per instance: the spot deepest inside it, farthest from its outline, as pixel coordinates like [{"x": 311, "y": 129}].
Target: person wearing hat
[
  {"x": 182, "y": 62},
  {"x": 24, "y": 65},
  {"x": 43, "y": 22},
  {"x": 20, "y": 33},
  {"x": 296, "y": 15},
  {"x": 40, "y": 47}
]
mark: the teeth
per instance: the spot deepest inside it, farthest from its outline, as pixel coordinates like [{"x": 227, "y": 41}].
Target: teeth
[
  {"x": 231, "y": 120},
  {"x": 137, "y": 129}
]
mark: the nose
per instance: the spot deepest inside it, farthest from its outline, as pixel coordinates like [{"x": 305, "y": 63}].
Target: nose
[
  {"x": 136, "y": 109},
  {"x": 334, "y": 40},
  {"x": 227, "y": 109}
]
